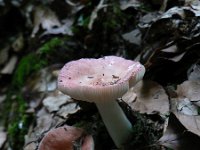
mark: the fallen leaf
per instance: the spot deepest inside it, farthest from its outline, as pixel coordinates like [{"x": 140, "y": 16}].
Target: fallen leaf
[
  {"x": 195, "y": 4},
  {"x": 68, "y": 109},
  {"x": 151, "y": 98},
  {"x": 190, "y": 90},
  {"x": 130, "y": 3},
  {"x": 4, "y": 54},
  {"x": 18, "y": 44},
  {"x": 133, "y": 36},
  {"x": 30, "y": 146},
  {"x": 177, "y": 137},
  {"x": 10, "y": 66},
  {"x": 45, "y": 17},
  {"x": 186, "y": 107},
  {"x": 194, "y": 72},
  {"x": 43, "y": 121},
  {"x": 174, "y": 11},
  {"x": 178, "y": 57},
  {"x": 170, "y": 49},
  {"x": 3, "y": 138},
  {"x": 53, "y": 103},
  {"x": 42, "y": 81},
  {"x": 65, "y": 28},
  {"x": 191, "y": 123},
  {"x": 2, "y": 98}
]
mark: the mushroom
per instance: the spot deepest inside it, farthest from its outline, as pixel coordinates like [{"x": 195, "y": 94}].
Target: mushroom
[
  {"x": 102, "y": 81},
  {"x": 66, "y": 138}
]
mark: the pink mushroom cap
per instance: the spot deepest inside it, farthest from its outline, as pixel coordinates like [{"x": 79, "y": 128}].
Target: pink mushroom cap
[
  {"x": 66, "y": 138},
  {"x": 95, "y": 80}
]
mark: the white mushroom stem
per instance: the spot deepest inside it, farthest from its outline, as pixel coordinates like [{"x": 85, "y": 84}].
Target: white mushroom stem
[{"x": 118, "y": 126}]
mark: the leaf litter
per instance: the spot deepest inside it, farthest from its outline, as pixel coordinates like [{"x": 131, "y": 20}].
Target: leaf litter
[
  {"x": 147, "y": 97},
  {"x": 167, "y": 42}
]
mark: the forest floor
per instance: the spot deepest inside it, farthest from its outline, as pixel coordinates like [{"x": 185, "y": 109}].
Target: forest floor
[{"x": 38, "y": 37}]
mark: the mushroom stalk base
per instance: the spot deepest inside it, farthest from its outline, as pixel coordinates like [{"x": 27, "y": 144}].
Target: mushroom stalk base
[{"x": 118, "y": 126}]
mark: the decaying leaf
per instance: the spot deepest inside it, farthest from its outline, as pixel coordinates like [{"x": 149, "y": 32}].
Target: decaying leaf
[
  {"x": 10, "y": 66},
  {"x": 177, "y": 137},
  {"x": 65, "y": 28},
  {"x": 170, "y": 49},
  {"x": 4, "y": 54},
  {"x": 133, "y": 37},
  {"x": 191, "y": 123},
  {"x": 44, "y": 80},
  {"x": 148, "y": 19},
  {"x": 2, "y": 98},
  {"x": 44, "y": 121},
  {"x": 30, "y": 146},
  {"x": 3, "y": 138},
  {"x": 185, "y": 105},
  {"x": 178, "y": 57},
  {"x": 53, "y": 103},
  {"x": 190, "y": 90},
  {"x": 18, "y": 44},
  {"x": 45, "y": 17},
  {"x": 147, "y": 97},
  {"x": 194, "y": 72},
  {"x": 130, "y": 3},
  {"x": 68, "y": 109}
]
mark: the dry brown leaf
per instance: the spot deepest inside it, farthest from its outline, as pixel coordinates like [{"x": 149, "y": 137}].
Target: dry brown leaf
[
  {"x": 46, "y": 18},
  {"x": 190, "y": 90},
  {"x": 18, "y": 44},
  {"x": 2, "y": 98},
  {"x": 4, "y": 53},
  {"x": 10, "y": 66},
  {"x": 184, "y": 108},
  {"x": 191, "y": 123},
  {"x": 178, "y": 57},
  {"x": 68, "y": 109},
  {"x": 133, "y": 37},
  {"x": 65, "y": 28},
  {"x": 194, "y": 73},
  {"x": 53, "y": 103},
  {"x": 130, "y": 3},
  {"x": 42, "y": 81},
  {"x": 30, "y": 146},
  {"x": 151, "y": 98},
  {"x": 177, "y": 137},
  {"x": 3, "y": 137},
  {"x": 44, "y": 121},
  {"x": 171, "y": 49}
]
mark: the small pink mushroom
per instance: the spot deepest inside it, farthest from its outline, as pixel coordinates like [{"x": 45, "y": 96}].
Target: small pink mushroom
[
  {"x": 102, "y": 81},
  {"x": 66, "y": 138}
]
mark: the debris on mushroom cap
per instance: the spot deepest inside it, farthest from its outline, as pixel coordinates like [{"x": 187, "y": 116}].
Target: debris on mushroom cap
[
  {"x": 66, "y": 138},
  {"x": 106, "y": 78}
]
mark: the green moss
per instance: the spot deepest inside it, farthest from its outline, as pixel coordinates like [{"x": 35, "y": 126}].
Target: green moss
[
  {"x": 51, "y": 45},
  {"x": 15, "y": 116},
  {"x": 28, "y": 64},
  {"x": 34, "y": 61},
  {"x": 18, "y": 122}
]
